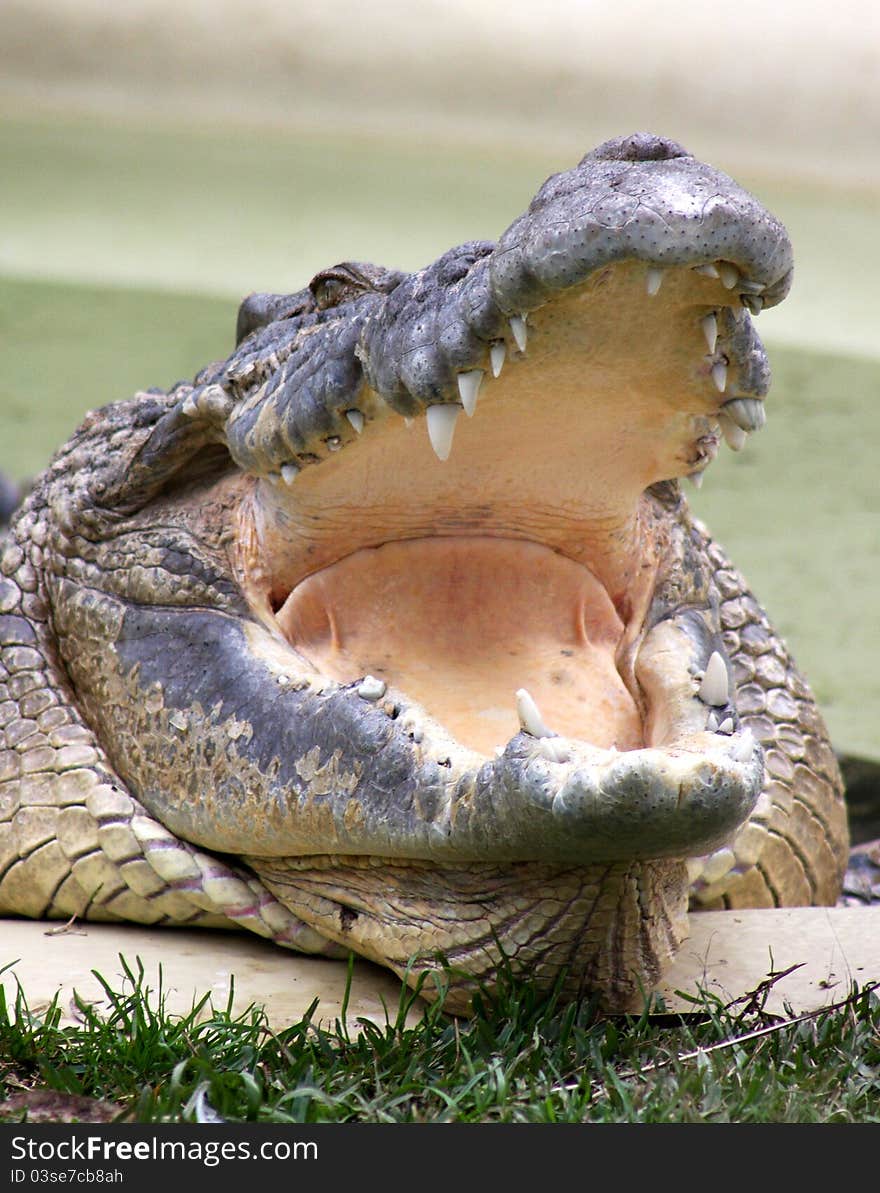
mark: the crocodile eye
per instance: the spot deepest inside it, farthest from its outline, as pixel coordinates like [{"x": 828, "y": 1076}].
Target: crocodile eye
[{"x": 328, "y": 292}]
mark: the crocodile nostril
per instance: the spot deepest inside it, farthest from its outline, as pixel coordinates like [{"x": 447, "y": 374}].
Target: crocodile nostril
[{"x": 639, "y": 147}]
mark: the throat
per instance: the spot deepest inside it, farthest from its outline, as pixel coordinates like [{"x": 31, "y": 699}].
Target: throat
[{"x": 458, "y": 625}]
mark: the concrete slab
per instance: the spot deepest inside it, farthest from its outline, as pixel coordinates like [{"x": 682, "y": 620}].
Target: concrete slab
[
  {"x": 728, "y": 953},
  {"x": 47, "y": 960}
]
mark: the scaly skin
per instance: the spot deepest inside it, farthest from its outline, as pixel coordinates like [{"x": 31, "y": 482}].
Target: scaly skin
[{"x": 183, "y": 743}]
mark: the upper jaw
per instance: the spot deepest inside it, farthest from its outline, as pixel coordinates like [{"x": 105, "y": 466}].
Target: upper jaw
[
  {"x": 657, "y": 207},
  {"x": 409, "y": 344}
]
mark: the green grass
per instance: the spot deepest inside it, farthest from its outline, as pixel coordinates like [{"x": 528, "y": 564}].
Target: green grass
[{"x": 522, "y": 1059}]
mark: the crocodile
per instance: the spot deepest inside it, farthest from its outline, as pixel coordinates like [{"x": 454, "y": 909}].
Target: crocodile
[{"x": 393, "y": 633}]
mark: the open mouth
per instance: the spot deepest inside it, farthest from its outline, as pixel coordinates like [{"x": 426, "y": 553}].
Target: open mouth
[
  {"x": 468, "y": 691},
  {"x": 491, "y": 563},
  {"x": 482, "y": 538}
]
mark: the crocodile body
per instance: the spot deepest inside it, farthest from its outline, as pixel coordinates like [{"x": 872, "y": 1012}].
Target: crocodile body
[{"x": 394, "y": 633}]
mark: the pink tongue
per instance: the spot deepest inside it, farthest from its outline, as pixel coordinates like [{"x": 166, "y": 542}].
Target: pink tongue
[{"x": 459, "y": 624}]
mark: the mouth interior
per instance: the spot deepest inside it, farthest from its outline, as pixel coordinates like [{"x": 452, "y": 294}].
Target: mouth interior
[
  {"x": 459, "y": 624},
  {"x": 526, "y": 559}
]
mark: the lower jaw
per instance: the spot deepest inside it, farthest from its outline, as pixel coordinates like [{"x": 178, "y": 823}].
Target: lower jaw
[
  {"x": 604, "y": 931},
  {"x": 457, "y": 625},
  {"x": 460, "y": 624}
]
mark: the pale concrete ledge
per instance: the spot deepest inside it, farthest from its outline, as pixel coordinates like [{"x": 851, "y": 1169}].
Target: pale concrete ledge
[
  {"x": 728, "y": 953},
  {"x": 193, "y": 963}
]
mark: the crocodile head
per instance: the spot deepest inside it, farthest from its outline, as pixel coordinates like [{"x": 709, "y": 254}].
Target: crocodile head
[{"x": 401, "y": 605}]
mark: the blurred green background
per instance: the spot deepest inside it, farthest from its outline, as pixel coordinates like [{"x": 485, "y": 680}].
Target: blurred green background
[{"x": 163, "y": 160}]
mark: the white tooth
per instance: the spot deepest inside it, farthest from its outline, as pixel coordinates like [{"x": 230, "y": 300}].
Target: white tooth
[
  {"x": 752, "y": 287},
  {"x": 748, "y": 413},
  {"x": 530, "y": 718},
  {"x": 356, "y": 419},
  {"x": 754, "y": 303},
  {"x": 694, "y": 868},
  {"x": 553, "y": 749},
  {"x": 371, "y": 688},
  {"x": 408, "y": 422},
  {"x": 719, "y": 376},
  {"x": 497, "y": 353},
  {"x": 735, "y": 437},
  {"x": 708, "y": 270},
  {"x": 744, "y": 746},
  {"x": 334, "y": 443},
  {"x": 654, "y": 281},
  {"x": 714, "y": 688},
  {"x": 709, "y": 325},
  {"x": 728, "y": 273},
  {"x": 441, "y": 428},
  {"x": 696, "y": 479},
  {"x": 717, "y": 864},
  {"x": 469, "y": 387},
  {"x": 289, "y": 473},
  {"x": 712, "y": 722},
  {"x": 726, "y": 726},
  {"x": 520, "y": 334}
]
